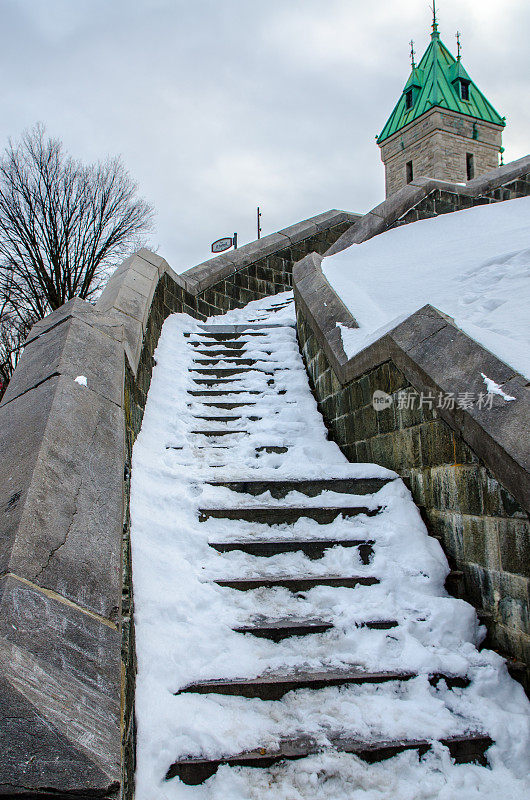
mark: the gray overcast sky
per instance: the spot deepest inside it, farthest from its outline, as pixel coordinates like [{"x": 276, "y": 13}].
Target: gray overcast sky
[{"x": 217, "y": 106}]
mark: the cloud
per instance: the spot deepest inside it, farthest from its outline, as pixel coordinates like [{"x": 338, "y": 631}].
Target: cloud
[{"x": 217, "y": 107}]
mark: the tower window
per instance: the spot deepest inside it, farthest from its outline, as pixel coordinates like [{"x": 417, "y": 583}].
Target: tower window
[
  {"x": 410, "y": 173},
  {"x": 470, "y": 166},
  {"x": 464, "y": 90},
  {"x": 408, "y": 99}
]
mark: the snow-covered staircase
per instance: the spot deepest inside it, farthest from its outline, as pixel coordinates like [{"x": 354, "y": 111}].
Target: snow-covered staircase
[{"x": 324, "y": 586}]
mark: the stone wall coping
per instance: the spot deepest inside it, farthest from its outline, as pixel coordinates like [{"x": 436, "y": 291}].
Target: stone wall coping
[
  {"x": 126, "y": 299},
  {"x": 435, "y": 356},
  {"x": 391, "y": 209},
  {"x": 214, "y": 269}
]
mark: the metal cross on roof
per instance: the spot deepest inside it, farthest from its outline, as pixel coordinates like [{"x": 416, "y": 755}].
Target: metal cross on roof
[
  {"x": 412, "y": 53},
  {"x": 458, "y": 45}
]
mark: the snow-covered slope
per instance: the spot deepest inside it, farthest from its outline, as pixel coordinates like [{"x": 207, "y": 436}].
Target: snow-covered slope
[{"x": 473, "y": 265}]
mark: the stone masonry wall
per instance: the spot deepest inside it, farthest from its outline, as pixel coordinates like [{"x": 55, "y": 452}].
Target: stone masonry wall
[
  {"x": 484, "y": 531},
  {"x": 437, "y": 143}
]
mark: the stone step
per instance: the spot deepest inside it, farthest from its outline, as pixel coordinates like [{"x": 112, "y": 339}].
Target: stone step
[
  {"x": 222, "y": 392},
  {"x": 220, "y": 372},
  {"x": 283, "y": 629},
  {"x": 274, "y": 687},
  {"x": 239, "y": 362},
  {"x": 228, "y": 344},
  {"x": 464, "y": 749},
  {"x": 264, "y": 448},
  {"x": 220, "y": 432},
  {"x": 225, "y": 337},
  {"x": 229, "y": 406},
  {"x": 216, "y": 382},
  {"x": 301, "y": 583},
  {"x": 272, "y": 448},
  {"x": 243, "y": 327},
  {"x": 312, "y": 548},
  {"x": 280, "y": 488},
  {"x": 227, "y": 353},
  {"x": 227, "y": 419},
  {"x": 276, "y": 515}
]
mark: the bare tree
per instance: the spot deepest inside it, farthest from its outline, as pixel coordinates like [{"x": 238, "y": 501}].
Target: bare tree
[{"x": 63, "y": 226}]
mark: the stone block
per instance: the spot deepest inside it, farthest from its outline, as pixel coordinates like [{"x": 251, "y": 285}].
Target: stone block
[
  {"x": 449, "y": 526},
  {"x": 383, "y": 450},
  {"x": 481, "y": 541},
  {"x": 120, "y": 296},
  {"x": 255, "y": 251},
  {"x": 300, "y": 231},
  {"x": 133, "y": 334},
  {"x": 436, "y": 444},
  {"x": 514, "y": 543},
  {"x": 57, "y": 737},
  {"x": 62, "y": 635},
  {"x": 154, "y": 259},
  {"x": 361, "y": 230},
  {"x": 72, "y": 348},
  {"x": 364, "y": 452},
  {"x": 62, "y": 492},
  {"x": 366, "y": 422},
  {"x": 407, "y": 450}
]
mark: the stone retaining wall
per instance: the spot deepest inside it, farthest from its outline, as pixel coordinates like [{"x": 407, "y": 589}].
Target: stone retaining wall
[
  {"x": 67, "y": 662},
  {"x": 468, "y": 470}
]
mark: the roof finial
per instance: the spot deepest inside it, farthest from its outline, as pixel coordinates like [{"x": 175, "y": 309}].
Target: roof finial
[
  {"x": 458, "y": 45},
  {"x": 434, "y": 18},
  {"x": 412, "y": 53}
]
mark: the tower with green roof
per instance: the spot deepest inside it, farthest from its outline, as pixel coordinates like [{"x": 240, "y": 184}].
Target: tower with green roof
[{"x": 442, "y": 125}]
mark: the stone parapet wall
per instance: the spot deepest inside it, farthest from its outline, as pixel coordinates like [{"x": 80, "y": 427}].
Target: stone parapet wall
[
  {"x": 67, "y": 658},
  {"x": 468, "y": 470},
  {"x": 427, "y": 197}
]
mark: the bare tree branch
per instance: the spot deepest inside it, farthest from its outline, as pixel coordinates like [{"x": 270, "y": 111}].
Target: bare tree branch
[{"x": 63, "y": 226}]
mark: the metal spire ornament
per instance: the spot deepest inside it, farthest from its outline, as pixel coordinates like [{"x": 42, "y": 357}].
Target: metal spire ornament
[{"x": 434, "y": 18}]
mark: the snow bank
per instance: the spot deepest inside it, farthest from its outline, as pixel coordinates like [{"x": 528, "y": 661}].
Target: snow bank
[{"x": 473, "y": 265}]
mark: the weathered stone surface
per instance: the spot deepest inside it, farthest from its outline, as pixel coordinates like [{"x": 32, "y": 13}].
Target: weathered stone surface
[
  {"x": 366, "y": 227},
  {"x": 61, "y": 492},
  {"x": 72, "y": 348},
  {"x": 55, "y": 736},
  {"x": 62, "y": 635}
]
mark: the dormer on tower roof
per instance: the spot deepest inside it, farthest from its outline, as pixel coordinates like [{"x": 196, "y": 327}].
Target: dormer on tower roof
[
  {"x": 439, "y": 77},
  {"x": 442, "y": 126}
]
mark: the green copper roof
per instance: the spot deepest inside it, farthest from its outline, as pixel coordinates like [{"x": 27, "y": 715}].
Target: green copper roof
[{"x": 436, "y": 81}]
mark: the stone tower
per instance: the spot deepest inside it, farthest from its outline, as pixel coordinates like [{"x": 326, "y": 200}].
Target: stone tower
[{"x": 442, "y": 125}]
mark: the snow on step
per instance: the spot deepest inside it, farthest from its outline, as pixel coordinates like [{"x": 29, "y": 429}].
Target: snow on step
[{"x": 343, "y": 645}]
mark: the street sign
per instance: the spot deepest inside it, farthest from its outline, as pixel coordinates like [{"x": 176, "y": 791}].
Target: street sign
[{"x": 222, "y": 244}]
